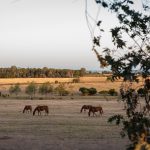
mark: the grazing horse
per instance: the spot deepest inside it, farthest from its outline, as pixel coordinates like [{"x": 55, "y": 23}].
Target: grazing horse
[
  {"x": 27, "y": 108},
  {"x": 95, "y": 109},
  {"x": 84, "y": 107},
  {"x": 40, "y": 108}
]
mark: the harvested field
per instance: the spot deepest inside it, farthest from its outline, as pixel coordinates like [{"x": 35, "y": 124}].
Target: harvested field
[
  {"x": 100, "y": 83},
  {"x": 65, "y": 128}
]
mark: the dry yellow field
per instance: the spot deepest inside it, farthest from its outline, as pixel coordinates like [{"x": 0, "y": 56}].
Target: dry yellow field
[{"x": 100, "y": 83}]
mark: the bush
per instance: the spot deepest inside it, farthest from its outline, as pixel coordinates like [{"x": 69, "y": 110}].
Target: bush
[
  {"x": 86, "y": 91},
  {"x": 103, "y": 92},
  {"x": 112, "y": 92},
  {"x": 60, "y": 89},
  {"x": 92, "y": 91}
]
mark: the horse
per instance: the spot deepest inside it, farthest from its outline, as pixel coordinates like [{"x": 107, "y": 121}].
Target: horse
[
  {"x": 40, "y": 108},
  {"x": 94, "y": 109},
  {"x": 84, "y": 107},
  {"x": 27, "y": 108}
]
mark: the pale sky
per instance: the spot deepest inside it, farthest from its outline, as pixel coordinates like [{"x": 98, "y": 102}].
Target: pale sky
[{"x": 46, "y": 33}]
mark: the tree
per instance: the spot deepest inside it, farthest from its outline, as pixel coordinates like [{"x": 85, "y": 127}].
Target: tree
[
  {"x": 15, "y": 89},
  {"x": 60, "y": 89},
  {"x": 31, "y": 89},
  {"x": 130, "y": 39},
  {"x": 46, "y": 88}
]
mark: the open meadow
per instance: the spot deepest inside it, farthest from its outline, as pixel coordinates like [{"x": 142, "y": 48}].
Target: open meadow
[{"x": 65, "y": 128}]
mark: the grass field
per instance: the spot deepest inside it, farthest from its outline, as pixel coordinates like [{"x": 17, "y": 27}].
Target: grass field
[
  {"x": 100, "y": 83},
  {"x": 65, "y": 128}
]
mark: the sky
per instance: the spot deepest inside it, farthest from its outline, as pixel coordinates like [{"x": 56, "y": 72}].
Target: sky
[{"x": 47, "y": 33}]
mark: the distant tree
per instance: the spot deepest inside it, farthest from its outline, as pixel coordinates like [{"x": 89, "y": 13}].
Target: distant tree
[
  {"x": 45, "y": 88},
  {"x": 15, "y": 89},
  {"x": 60, "y": 89},
  {"x": 82, "y": 72},
  {"x": 31, "y": 89}
]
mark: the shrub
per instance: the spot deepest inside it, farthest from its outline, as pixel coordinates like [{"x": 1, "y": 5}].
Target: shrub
[
  {"x": 92, "y": 91},
  {"x": 112, "y": 92},
  {"x": 84, "y": 90},
  {"x": 60, "y": 89},
  {"x": 103, "y": 92},
  {"x": 15, "y": 89},
  {"x": 31, "y": 89}
]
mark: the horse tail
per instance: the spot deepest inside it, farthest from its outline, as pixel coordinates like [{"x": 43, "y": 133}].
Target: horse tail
[{"x": 34, "y": 111}]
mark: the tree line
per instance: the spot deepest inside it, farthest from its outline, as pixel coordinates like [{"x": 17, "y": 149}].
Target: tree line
[{"x": 15, "y": 72}]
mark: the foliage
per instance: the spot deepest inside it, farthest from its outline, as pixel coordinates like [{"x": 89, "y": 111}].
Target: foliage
[
  {"x": 14, "y": 72},
  {"x": 141, "y": 92},
  {"x": 31, "y": 89},
  {"x": 103, "y": 92},
  {"x": 45, "y": 88},
  {"x": 130, "y": 51},
  {"x": 15, "y": 89},
  {"x": 112, "y": 92},
  {"x": 60, "y": 89},
  {"x": 92, "y": 91},
  {"x": 86, "y": 91}
]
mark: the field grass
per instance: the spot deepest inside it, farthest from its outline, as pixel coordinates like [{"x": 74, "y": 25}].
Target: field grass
[
  {"x": 100, "y": 83},
  {"x": 65, "y": 128}
]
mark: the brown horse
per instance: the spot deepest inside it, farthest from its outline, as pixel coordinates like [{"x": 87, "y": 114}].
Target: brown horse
[
  {"x": 85, "y": 107},
  {"x": 27, "y": 108},
  {"x": 95, "y": 109},
  {"x": 40, "y": 108}
]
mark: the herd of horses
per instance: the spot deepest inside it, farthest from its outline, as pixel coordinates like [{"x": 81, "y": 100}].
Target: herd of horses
[{"x": 41, "y": 108}]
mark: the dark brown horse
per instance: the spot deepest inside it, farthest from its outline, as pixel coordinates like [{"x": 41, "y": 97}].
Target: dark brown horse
[
  {"x": 27, "y": 109},
  {"x": 85, "y": 107},
  {"x": 40, "y": 108},
  {"x": 95, "y": 109}
]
